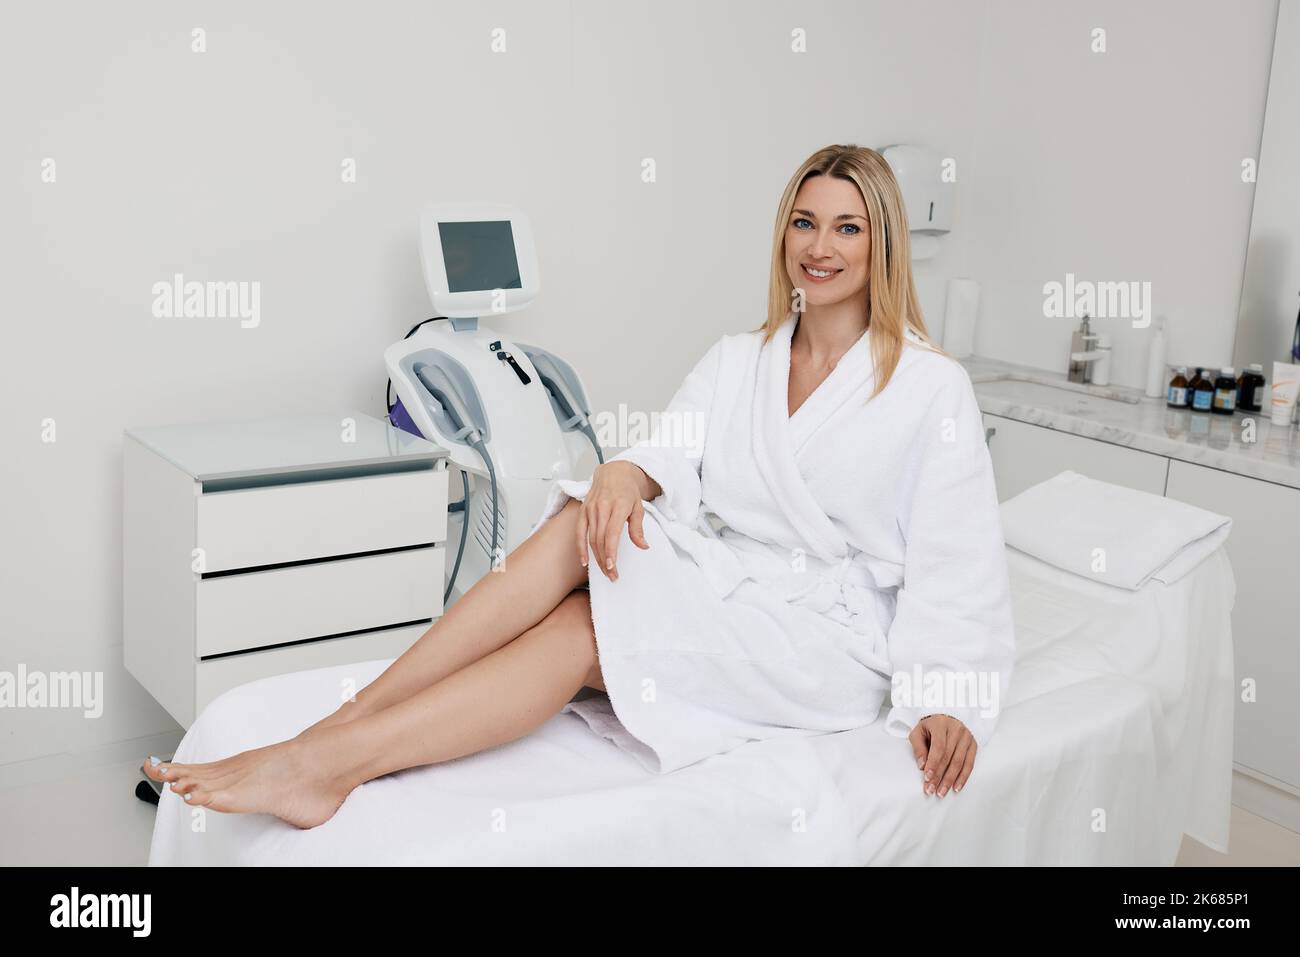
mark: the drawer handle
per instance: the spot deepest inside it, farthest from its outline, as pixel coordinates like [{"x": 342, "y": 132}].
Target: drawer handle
[{"x": 989, "y": 433}]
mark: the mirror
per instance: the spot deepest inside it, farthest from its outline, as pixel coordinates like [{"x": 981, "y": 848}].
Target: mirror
[{"x": 1270, "y": 291}]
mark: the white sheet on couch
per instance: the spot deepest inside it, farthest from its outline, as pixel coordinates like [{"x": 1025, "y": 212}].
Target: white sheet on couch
[{"x": 1116, "y": 740}]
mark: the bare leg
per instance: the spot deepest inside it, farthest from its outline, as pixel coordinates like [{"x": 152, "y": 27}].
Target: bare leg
[
  {"x": 501, "y": 606},
  {"x": 497, "y": 699}
]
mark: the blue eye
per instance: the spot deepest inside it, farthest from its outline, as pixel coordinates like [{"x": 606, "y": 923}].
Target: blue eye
[{"x": 801, "y": 223}]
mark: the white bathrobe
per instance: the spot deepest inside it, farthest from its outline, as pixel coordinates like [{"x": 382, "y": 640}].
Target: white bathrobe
[{"x": 857, "y": 541}]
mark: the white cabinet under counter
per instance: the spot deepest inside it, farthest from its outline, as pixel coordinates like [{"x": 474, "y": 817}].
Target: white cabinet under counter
[
  {"x": 1265, "y": 616},
  {"x": 1024, "y": 455},
  {"x": 253, "y": 549}
]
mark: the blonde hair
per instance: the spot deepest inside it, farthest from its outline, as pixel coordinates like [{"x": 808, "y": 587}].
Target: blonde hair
[{"x": 892, "y": 304}]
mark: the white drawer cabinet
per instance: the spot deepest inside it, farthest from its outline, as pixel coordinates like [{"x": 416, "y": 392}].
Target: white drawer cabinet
[
  {"x": 260, "y": 548},
  {"x": 1024, "y": 455},
  {"x": 1266, "y": 615}
]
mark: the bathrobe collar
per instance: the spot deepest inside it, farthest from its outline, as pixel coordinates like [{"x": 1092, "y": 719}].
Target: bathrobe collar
[{"x": 779, "y": 437}]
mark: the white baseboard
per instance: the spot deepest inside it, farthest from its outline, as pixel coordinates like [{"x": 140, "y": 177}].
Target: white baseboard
[{"x": 1252, "y": 792}]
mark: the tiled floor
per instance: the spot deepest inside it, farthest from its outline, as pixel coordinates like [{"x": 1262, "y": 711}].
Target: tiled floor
[
  {"x": 93, "y": 818},
  {"x": 1254, "y": 842}
]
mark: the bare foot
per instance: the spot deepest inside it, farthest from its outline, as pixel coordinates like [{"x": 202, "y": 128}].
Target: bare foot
[{"x": 293, "y": 780}]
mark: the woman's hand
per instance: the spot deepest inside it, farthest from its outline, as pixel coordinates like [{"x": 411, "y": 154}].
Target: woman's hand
[
  {"x": 945, "y": 753},
  {"x": 615, "y": 499}
]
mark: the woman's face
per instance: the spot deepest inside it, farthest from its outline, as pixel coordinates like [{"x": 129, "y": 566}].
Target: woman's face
[{"x": 829, "y": 234}]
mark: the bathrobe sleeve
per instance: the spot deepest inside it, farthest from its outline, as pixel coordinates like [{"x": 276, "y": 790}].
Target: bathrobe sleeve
[
  {"x": 953, "y": 617},
  {"x": 673, "y": 452}
]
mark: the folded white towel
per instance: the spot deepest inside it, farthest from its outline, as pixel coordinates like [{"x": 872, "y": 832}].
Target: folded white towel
[{"x": 1114, "y": 535}]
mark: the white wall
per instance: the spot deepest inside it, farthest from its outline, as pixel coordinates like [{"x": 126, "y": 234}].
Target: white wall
[
  {"x": 225, "y": 165},
  {"x": 1117, "y": 166}
]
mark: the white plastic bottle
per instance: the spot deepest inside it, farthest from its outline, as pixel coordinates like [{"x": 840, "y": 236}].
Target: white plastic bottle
[{"x": 1157, "y": 382}]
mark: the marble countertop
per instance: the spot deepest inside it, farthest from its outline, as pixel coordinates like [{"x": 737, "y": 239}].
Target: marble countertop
[{"x": 1245, "y": 443}]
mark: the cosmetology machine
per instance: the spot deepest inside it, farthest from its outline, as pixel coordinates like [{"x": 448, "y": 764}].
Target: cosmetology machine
[{"x": 513, "y": 417}]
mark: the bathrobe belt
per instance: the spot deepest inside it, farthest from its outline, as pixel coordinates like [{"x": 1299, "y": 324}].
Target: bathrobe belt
[{"x": 845, "y": 592}]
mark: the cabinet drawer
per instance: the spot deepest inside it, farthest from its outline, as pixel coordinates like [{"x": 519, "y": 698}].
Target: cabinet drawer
[
  {"x": 279, "y": 605},
  {"x": 213, "y": 678},
  {"x": 1265, "y": 526},
  {"x": 243, "y": 528}
]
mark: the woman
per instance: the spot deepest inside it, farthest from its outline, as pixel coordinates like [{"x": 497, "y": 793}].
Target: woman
[{"x": 858, "y": 545}]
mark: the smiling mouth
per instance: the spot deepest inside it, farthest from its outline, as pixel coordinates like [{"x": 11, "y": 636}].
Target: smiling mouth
[{"x": 816, "y": 273}]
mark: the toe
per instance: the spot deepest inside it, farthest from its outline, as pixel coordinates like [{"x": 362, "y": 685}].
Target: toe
[
  {"x": 156, "y": 770},
  {"x": 191, "y": 792},
  {"x": 194, "y": 795}
]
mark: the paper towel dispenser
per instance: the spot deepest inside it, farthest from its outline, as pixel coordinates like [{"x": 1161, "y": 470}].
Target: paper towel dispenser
[{"x": 927, "y": 194}]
